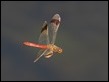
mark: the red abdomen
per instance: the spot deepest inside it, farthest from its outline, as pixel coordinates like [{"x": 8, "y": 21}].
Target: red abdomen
[{"x": 35, "y": 45}]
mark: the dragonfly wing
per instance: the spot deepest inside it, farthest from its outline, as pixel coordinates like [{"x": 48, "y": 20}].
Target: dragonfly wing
[
  {"x": 44, "y": 38},
  {"x": 47, "y": 53},
  {"x": 40, "y": 54},
  {"x": 54, "y": 25}
]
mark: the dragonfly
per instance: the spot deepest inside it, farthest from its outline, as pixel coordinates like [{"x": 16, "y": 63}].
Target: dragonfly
[{"x": 47, "y": 38}]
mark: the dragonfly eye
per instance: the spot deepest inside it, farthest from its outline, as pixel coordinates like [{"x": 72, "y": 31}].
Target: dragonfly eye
[{"x": 60, "y": 50}]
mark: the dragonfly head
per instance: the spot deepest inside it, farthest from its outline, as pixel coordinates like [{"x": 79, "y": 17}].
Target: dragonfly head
[{"x": 59, "y": 50}]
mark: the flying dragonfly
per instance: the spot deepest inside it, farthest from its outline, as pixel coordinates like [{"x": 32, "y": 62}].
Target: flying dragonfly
[{"x": 47, "y": 39}]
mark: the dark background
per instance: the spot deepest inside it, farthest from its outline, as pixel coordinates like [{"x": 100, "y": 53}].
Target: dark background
[{"x": 83, "y": 36}]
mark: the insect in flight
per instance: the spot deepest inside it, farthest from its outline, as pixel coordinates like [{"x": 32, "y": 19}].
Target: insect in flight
[{"x": 47, "y": 39}]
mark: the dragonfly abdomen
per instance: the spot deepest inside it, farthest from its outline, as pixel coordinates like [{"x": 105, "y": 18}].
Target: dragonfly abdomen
[{"x": 35, "y": 45}]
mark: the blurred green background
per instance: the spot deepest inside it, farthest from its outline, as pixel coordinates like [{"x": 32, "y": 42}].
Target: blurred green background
[{"x": 83, "y": 36}]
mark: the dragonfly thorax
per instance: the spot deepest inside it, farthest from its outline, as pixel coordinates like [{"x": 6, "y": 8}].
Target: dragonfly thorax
[{"x": 54, "y": 48}]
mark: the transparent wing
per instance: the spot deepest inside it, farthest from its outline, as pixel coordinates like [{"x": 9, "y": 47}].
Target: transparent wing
[
  {"x": 44, "y": 38},
  {"x": 54, "y": 25},
  {"x": 52, "y": 34},
  {"x": 40, "y": 54},
  {"x": 43, "y": 52}
]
